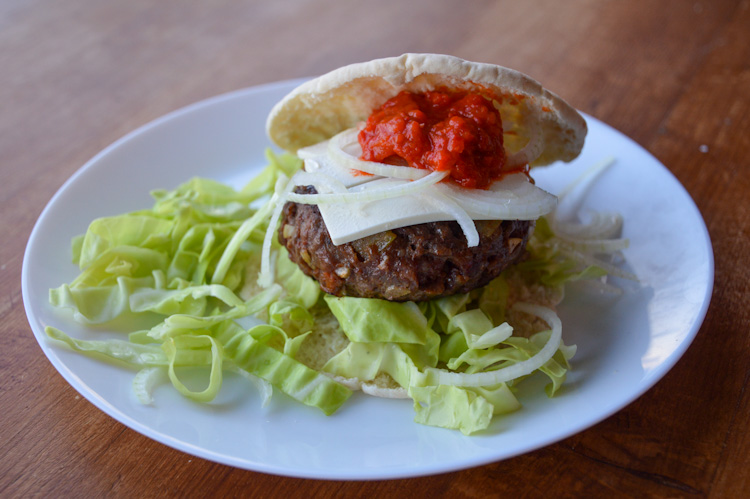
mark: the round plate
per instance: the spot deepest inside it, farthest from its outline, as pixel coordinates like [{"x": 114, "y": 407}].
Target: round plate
[{"x": 624, "y": 345}]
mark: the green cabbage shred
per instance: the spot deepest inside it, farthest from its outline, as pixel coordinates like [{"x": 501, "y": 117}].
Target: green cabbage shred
[{"x": 185, "y": 263}]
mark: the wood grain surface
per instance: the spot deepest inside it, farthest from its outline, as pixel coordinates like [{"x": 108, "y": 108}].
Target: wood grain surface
[{"x": 673, "y": 75}]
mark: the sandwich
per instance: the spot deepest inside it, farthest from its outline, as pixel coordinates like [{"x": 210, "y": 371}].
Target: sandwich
[
  {"x": 415, "y": 199},
  {"x": 357, "y": 220},
  {"x": 399, "y": 247}
]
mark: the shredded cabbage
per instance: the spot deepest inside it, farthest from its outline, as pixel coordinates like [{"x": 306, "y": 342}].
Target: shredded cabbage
[
  {"x": 192, "y": 260},
  {"x": 185, "y": 260}
]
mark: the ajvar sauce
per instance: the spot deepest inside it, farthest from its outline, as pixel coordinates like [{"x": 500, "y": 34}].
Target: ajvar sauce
[{"x": 438, "y": 130}]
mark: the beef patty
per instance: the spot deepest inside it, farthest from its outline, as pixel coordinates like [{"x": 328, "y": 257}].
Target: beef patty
[{"x": 415, "y": 263}]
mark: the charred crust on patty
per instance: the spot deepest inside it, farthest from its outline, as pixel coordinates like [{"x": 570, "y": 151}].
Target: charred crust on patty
[{"x": 415, "y": 263}]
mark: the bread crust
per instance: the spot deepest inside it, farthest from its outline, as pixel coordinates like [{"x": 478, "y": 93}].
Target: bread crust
[{"x": 324, "y": 106}]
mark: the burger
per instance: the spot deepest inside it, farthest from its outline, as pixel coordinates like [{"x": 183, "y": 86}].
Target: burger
[
  {"x": 358, "y": 222},
  {"x": 412, "y": 209}
]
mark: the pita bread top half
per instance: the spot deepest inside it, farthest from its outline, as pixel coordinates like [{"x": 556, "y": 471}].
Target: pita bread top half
[{"x": 322, "y": 107}]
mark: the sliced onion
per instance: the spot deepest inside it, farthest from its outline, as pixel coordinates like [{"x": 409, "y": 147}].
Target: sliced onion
[
  {"x": 592, "y": 260},
  {"x": 449, "y": 206},
  {"x": 319, "y": 180},
  {"x": 574, "y": 194},
  {"x": 523, "y": 368},
  {"x": 588, "y": 177},
  {"x": 266, "y": 274},
  {"x": 313, "y": 151},
  {"x": 401, "y": 189},
  {"x": 533, "y": 148},
  {"x": 350, "y": 161},
  {"x": 600, "y": 226}
]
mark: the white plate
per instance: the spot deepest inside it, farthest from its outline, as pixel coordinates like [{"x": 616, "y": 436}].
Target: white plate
[{"x": 624, "y": 346}]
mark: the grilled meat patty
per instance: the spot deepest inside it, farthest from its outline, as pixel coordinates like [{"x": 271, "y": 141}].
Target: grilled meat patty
[{"x": 414, "y": 263}]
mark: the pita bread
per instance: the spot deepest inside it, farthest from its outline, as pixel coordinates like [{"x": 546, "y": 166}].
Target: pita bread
[{"x": 324, "y": 106}]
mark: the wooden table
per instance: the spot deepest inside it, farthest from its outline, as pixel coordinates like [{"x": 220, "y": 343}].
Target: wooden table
[{"x": 674, "y": 76}]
